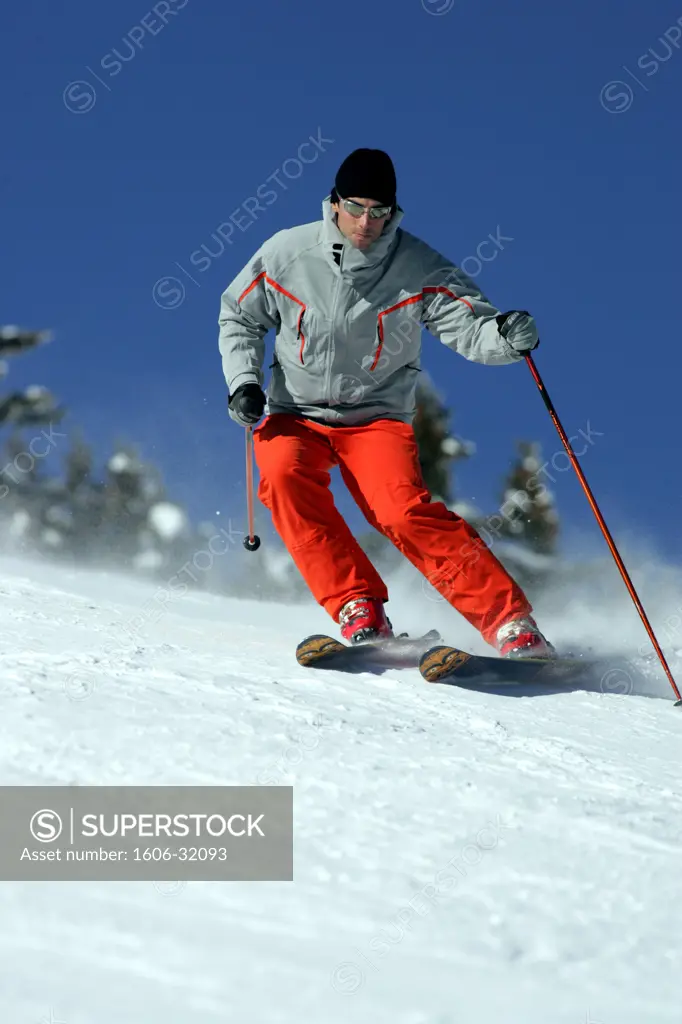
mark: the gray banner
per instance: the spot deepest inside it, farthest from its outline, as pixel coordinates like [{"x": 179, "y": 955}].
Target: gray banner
[{"x": 142, "y": 833}]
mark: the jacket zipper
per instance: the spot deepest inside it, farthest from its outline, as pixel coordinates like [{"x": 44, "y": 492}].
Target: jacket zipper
[
  {"x": 300, "y": 335},
  {"x": 380, "y": 344},
  {"x": 332, "y": 342}
]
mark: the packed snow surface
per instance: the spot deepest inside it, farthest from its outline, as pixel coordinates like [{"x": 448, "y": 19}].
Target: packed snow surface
[{"x": 460, "y": 856}]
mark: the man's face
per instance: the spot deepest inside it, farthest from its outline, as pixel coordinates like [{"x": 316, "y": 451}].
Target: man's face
[{"x": 360, "y": 231}]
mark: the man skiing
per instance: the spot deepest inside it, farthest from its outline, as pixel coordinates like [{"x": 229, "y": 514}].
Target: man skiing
[{"x": 348, "y": 297}]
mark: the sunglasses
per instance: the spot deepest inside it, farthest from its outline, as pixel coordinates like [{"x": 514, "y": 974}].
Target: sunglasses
[{"x": 357, "y": 209}]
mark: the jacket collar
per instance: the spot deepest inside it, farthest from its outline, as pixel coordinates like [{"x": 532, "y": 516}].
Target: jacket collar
[{"x": 355, "y": 261}]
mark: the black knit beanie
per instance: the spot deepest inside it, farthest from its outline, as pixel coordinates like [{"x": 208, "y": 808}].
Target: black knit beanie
[{"x": 366, "y": 174}]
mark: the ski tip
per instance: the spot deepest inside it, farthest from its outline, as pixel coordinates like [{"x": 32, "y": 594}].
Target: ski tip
[
  {"x": 438, "y": 662},
  {"x": 317, "y": 646}
]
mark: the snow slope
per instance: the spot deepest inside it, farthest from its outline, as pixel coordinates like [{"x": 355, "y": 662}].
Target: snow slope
[{"x": 459, "y": 856}]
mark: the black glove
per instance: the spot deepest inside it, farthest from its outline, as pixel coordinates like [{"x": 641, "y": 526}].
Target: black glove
[
  {"x": 247, "y": 404},
  {"x": 519, "y": 329}
]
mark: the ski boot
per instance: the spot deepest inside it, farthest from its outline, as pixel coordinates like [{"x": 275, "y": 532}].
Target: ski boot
[
  {"x": 364, "y": 619},
  {"x": 521, "y": 638}
]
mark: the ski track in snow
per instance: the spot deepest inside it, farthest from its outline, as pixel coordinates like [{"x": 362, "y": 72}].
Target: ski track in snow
[{"x": 537, "y": 840}]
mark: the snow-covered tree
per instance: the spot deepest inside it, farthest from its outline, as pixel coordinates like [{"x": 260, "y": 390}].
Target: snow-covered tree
[
  {"x": 120, "y": 517},
  {"x": 35, "y": 405},
  {"x": 438, "y": 447},
  {"x": 528, "y": 507}
]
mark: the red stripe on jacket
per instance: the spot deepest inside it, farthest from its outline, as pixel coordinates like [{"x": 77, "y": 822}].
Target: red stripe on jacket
[
  {"x": 380, "y": 326},
  {"x": 278, "y": 287},
  {"x": 407, "y": 302}
]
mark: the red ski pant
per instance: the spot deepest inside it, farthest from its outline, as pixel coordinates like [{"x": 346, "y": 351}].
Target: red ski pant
[{"x": 379, "y": 463}]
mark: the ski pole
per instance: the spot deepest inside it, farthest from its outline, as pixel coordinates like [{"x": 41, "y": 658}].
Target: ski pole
[
  {"x": 604, "y": 529},
  {"x": 251, "y": 541}
]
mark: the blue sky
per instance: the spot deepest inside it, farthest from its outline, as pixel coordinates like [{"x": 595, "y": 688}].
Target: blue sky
[{"x": 133, "y": 131}]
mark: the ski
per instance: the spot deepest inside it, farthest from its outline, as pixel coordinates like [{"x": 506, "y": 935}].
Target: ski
[
  {"x": 322, "y": 651},
  {"x": 443, "y": 664}
]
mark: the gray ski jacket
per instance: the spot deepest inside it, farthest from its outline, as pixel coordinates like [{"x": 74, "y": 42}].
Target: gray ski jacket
[{"x": 348, "y": 323}]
